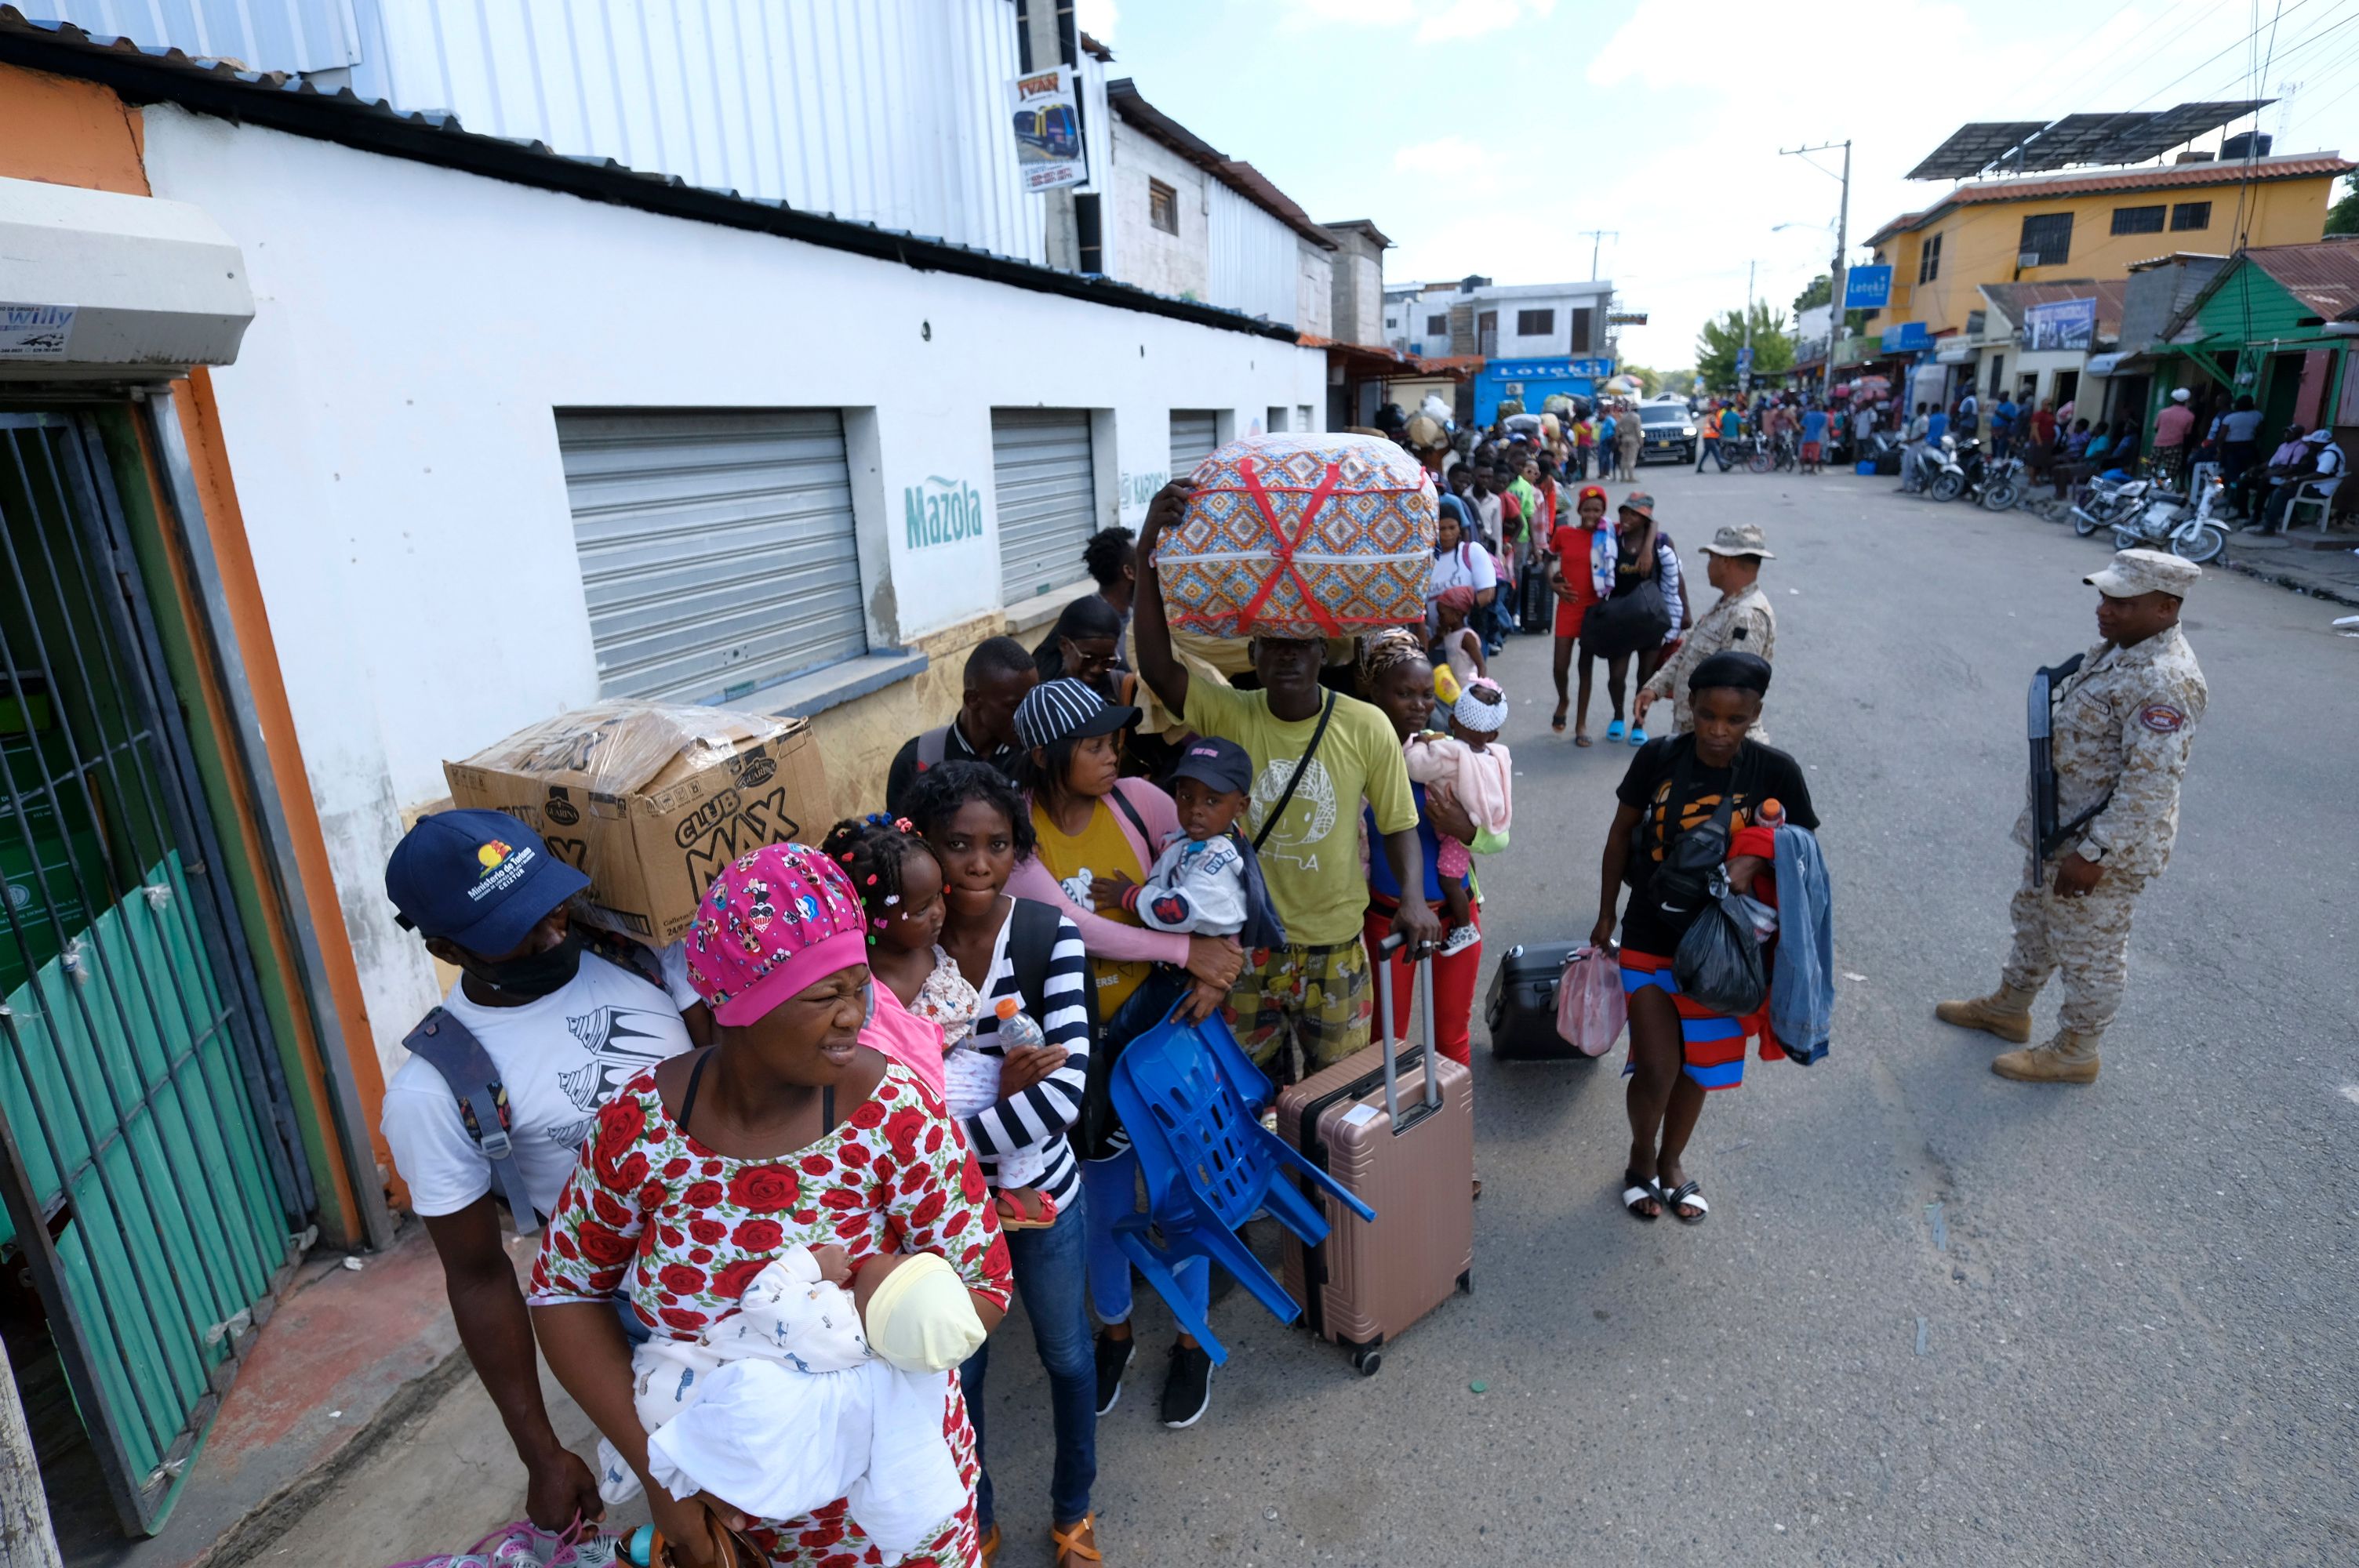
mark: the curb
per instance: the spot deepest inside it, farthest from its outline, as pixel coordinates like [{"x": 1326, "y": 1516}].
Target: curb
[
  {"x": 267, "y": 1519},
  {"x": 2287, "y": 581}
]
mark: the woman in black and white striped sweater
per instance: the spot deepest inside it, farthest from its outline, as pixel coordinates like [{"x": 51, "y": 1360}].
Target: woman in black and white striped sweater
[{"x": 978, "y": 829}]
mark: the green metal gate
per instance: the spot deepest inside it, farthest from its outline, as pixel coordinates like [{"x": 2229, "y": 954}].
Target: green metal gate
[{"x": 153, "y": 1177}]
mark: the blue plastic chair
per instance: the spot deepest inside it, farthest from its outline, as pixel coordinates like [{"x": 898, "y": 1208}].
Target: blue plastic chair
[{"x": 1186, "y": 1094}]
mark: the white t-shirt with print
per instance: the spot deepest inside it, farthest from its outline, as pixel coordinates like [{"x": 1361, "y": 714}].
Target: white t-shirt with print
[
  {"x": 560, "y": 1058},
  {"x": 1468, "y": 565}
]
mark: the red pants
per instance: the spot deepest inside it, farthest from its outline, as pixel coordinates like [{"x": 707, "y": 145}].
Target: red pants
[{"x": 1454, "y": 989}]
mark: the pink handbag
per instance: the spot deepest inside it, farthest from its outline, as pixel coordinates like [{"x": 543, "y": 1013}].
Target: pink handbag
[{"x": 1591, "y": 1008}]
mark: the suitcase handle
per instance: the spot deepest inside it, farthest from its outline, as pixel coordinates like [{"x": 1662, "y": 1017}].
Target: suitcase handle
[{"x": 1384, "y": 1019}]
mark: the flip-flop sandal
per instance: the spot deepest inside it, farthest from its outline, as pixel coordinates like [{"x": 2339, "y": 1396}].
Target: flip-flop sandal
[
  {"x": 1636, "y": 1192},
  {"x": 1557, "y": 723},
  {"x": 1580, "y": 738},
  {"x": 1691, "y": 1194},
  {"x": 1013, "y": 1216}
]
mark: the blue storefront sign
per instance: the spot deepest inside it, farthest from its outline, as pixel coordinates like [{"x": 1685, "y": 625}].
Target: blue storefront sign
[
  {"x": 1867, "y": 287},
  {"x": 1906, "y": 338},
  {"x": 1533, "y": 382}
]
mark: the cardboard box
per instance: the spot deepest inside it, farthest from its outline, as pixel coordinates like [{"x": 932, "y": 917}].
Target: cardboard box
[{"x": 651, "y": 800}]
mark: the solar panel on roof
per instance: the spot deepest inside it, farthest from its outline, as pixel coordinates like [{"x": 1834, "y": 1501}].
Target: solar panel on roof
[
  {"x": 1973, "y": 148},
  {"x": 2162, "y": 131},
  {"x": 2075, "y": 139}
]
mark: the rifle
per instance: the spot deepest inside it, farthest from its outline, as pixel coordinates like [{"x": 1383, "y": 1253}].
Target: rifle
[{"x": 2047, "y": 835}]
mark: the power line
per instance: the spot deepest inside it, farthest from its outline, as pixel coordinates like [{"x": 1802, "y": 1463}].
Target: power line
[{"x": 2200, "y": 65}]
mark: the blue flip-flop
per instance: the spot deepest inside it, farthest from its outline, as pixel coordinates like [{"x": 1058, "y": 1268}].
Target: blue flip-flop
[
  {"x": 1613, "y": 730},
  {"x": 1637, "y": 736}
]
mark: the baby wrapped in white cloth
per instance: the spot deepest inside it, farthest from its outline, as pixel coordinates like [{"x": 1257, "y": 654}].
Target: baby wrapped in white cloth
[{"x": 786, "y": 1406}]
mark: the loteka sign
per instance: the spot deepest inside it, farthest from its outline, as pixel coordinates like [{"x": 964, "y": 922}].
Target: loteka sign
[{"x": 941, "y": 512}]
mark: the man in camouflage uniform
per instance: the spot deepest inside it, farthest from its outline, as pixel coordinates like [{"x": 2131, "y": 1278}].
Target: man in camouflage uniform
[
  {"x": 1742, "y": 619},
  {"x": 2122, "y": 730}
]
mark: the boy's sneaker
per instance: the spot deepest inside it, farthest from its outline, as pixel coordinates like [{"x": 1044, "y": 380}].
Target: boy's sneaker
[
  {"x": 1187, "y": 1386},
  {"x": 1113, "y": 1360},
  {"x": 1460, "y": 938}
]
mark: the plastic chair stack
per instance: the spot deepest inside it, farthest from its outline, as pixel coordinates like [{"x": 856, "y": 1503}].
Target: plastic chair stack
[{"x": 1187, "y": 1095}]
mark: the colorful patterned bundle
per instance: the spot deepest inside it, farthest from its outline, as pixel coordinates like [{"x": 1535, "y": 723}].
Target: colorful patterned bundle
[{"x": 1311, "y": 535}]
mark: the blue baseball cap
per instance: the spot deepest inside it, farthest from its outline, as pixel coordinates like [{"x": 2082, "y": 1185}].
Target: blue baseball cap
[
  {"x": 480, "y": 879},
  {"x": 1221, "y": 763}
]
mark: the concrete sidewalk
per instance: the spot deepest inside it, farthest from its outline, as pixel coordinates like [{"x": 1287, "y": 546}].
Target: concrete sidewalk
[{"x": 2327, "y": 569}]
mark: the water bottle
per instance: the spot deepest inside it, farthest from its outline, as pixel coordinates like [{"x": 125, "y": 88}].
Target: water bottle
[{"x": 1015, "y": 1028}]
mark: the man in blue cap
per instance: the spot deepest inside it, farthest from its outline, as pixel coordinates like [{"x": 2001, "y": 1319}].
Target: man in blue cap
[{"x": 562, "y": 1029}]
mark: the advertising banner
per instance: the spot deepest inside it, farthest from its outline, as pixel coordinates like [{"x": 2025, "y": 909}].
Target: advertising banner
[
  {"x": 1867, "y": 287},
  {"x": 2064, "y": 324},
  {"x": 1048, "y": 121}
]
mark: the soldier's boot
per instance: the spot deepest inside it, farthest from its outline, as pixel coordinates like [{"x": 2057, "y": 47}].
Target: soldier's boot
[
  {"x": 2006, "y": 1012},
  {"x": 2068, "y": 1058}
]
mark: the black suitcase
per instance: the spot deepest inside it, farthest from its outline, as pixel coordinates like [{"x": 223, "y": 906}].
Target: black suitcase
[{"x": 1521, "y": 1014}]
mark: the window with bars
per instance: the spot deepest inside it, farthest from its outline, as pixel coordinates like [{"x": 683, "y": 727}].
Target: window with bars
[
  {"x": 1535, "y": 323},
  {"x": 2138, "y": 220},
  {"x": 2047, "y": 240},
  {"x": 1928, "y": 259},
  {"x": 1437, "y": 326},
  {"x": 2191, "y": 215},
  {"x": 1162, "y": 206}
]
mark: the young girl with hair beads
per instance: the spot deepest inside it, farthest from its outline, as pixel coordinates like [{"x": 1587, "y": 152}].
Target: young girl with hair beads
[{"x": 918, "y": 1015}]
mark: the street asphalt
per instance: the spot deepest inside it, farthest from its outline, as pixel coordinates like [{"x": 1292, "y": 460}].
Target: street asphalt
[{"x": 1934, "y": 1316}]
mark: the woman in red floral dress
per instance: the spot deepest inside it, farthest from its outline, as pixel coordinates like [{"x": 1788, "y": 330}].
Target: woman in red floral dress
[{"x": 707, "y": 1168}]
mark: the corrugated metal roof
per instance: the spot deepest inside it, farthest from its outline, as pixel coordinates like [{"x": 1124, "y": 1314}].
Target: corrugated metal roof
[
  {"x": 2323, "y": 275},
  {"x": 281, "y": 102},
  {"x": 2291, "y": 166},
  {"x": 2011, "y": 298}
]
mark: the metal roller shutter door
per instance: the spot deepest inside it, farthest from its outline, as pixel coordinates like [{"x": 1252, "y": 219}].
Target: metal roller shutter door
[
  {"x": 1194, "y": 433},
  {"x": 718, "y": 553},
  {"x": 1045, "y": 485}
]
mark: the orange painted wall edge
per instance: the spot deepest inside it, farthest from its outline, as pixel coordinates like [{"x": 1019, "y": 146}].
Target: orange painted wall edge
[{"x": 242, "y": 590}]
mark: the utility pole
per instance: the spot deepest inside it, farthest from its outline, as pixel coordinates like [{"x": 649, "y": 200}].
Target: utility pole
[
  {"x": 1597, "y": 238},
  {"x": 1835, "y": 312}
]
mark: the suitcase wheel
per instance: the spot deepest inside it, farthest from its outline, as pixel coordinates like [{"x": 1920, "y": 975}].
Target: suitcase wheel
[{"x": 1367, "y": 1362}]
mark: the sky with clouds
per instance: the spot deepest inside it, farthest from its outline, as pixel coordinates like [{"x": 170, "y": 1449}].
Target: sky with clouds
[{"x": 1487, "y": 136}]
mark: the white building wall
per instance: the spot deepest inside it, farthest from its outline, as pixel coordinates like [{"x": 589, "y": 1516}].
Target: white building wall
[
  {"x": 1164, "y": 263},
  {"x": 1252, "y": 263},
  {"x": 389, "y": 423},
  {"x": 1314, "y": 291},
  {"x": 1558, "y": 341}
]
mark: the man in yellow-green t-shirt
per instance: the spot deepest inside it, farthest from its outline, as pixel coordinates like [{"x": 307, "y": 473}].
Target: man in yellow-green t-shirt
[{"x": 1313, "y": 995}]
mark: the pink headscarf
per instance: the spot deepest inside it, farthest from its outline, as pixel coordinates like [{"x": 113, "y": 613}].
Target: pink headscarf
[{"x": 772, "y": 925}]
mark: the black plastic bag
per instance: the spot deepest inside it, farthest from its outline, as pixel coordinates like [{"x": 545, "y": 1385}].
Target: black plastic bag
[
  {"x": 1635, "y": 619},
  {"x": 1719, "y": 963}
]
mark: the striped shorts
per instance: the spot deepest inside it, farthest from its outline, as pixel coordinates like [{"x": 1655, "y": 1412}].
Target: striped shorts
[{"x": 1712, "y": 1044}]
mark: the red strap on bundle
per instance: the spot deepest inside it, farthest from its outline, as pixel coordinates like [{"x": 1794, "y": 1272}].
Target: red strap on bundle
[{"x": 1284, "y": 562}]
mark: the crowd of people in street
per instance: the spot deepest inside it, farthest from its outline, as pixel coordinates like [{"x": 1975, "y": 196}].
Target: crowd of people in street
[{"x": 872, "y": 1081}]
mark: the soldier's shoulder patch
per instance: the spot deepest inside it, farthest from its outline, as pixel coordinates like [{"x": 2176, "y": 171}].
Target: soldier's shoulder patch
[{"x": 2162, "y": 718}]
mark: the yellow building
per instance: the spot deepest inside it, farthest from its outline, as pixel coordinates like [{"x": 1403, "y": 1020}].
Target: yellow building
[{"x": 2091, "y": 224}]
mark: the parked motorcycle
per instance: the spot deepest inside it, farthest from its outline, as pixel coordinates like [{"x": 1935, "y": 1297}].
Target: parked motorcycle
[
  {"x": 2168, "y": 521},
  {"x": 1962, "y": 471},
  {"x": 2105, "y": 500},
  {"x": 2003, "y": 484}
]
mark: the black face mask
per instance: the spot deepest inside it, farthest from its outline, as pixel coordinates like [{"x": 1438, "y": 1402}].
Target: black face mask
[{"x": 538, "y": 975}]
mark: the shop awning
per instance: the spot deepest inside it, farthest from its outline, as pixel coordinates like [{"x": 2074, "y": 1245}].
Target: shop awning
[
  {"x": 94, "y": 282},
  {"x": 2113, "y": 364},
  {"x": 1957, "y": 353}
]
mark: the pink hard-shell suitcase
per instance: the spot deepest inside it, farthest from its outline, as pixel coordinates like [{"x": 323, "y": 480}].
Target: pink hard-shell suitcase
[{"x": 1395, "y": 1124}]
